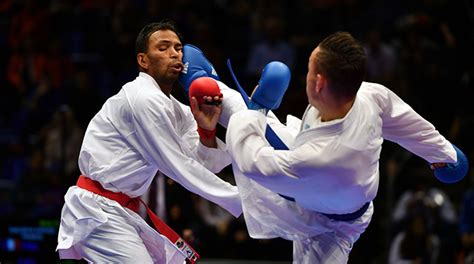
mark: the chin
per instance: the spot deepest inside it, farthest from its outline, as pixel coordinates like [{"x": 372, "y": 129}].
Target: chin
[
  {"x": 171, "y": 76},
  {"x": 173, "y": 79}
]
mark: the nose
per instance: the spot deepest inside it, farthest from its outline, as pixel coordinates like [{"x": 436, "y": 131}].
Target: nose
[{"x": 175, "y": 53}]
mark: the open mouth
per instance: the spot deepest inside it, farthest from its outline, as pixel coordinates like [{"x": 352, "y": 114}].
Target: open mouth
[{"x": 178, "y": 67}]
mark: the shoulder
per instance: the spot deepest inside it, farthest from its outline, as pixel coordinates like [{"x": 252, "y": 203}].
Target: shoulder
[
  {"x": 372, "y": 89},
  {"x": 144, "y": 90},
  {"x": 375, "y": 93},
  {"x": 141, "y": 95}
]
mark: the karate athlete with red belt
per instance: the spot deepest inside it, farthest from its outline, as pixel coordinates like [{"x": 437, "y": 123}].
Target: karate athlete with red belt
[
  {"x": 317, "y": 189},
  {"x": 138, "y": 131}
]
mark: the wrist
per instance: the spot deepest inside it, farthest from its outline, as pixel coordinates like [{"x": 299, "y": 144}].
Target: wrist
[
  {"x": 205, "y": 133},
  {"x": 257, "y": 107}
]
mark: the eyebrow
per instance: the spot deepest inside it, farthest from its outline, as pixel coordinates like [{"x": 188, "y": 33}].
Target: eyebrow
[{"x": 165, "y": 41}]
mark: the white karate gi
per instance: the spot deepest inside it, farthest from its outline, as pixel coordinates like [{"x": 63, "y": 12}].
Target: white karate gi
[
  {"x": 137, "y": 132},
  {"x": 330, "y": 167}
]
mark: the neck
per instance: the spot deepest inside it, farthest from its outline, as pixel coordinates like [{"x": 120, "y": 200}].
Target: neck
[
  {"x": 165, "y": 86},
  {"x": 336, "y": 110},
  {"x": 166, "y": 89}
]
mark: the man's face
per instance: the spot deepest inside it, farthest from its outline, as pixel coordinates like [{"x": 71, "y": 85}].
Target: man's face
[
  {"x": 164, "y": 57},
  {"x": 311, "y": 79}
]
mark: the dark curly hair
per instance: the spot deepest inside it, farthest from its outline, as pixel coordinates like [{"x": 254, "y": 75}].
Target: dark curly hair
[{"x": 141, "y": 43}]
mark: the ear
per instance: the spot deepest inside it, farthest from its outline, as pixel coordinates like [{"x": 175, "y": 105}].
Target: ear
[
  {"x": 320, "y": 82},
  {"x": 142, "y": 60}
]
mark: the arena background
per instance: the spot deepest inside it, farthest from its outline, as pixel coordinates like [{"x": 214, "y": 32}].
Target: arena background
[{"x": 60, "y": 60}]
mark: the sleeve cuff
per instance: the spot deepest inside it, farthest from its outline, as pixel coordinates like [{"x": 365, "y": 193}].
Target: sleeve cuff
[{"x": 215, "y": 159}]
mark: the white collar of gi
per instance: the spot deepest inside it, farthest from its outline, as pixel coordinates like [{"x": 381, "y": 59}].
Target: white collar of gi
[
  {"x": 327, "y": 128},
  {"x": 169, "y": 100},
  {"x": 149, "y": 78}
]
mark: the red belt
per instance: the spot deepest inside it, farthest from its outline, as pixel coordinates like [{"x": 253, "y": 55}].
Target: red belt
[{"x": 134, "y": 204}]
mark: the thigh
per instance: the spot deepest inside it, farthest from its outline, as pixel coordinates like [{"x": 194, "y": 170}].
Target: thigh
[
  {"x": 114, "y": 241},
  {"x": 324, "y": 248}
]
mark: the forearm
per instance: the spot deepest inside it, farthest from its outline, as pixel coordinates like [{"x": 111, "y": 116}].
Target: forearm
[
  {"x": 210, "y": 143},
  {"x": 249, "y": 149},
  {"x": 401, "y": 124},
  {"x": 214, "y": 159}
]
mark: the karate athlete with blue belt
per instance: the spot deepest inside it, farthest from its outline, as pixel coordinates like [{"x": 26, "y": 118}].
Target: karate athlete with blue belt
[{"x": 317, "y": 189}]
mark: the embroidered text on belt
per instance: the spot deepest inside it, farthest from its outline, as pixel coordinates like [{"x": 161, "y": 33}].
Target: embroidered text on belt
[{"x": 134, "y": 204}]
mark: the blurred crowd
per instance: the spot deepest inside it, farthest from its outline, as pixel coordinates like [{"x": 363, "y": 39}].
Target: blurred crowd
[{"x": 60, "y": 60}]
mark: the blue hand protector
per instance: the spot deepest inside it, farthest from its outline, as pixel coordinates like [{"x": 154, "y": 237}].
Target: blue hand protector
[
  {"x": 271, "y": 87},
  {"x": 453, "y": 172},
  {"x": 270, "y": 135},
  {"x": 195, "y": 65}
]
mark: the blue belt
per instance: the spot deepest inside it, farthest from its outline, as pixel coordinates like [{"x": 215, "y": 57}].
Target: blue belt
[{"x": 340, "y": 217}]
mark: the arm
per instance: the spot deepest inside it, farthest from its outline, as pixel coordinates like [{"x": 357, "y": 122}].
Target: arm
[
  {"x": 404, "y": 126},
  {"x": 401, "y": 124},
  {"x": 308, "y": 172},
  {"x": 253, "y": 156},
  {"x": 158, "y": 141}
]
